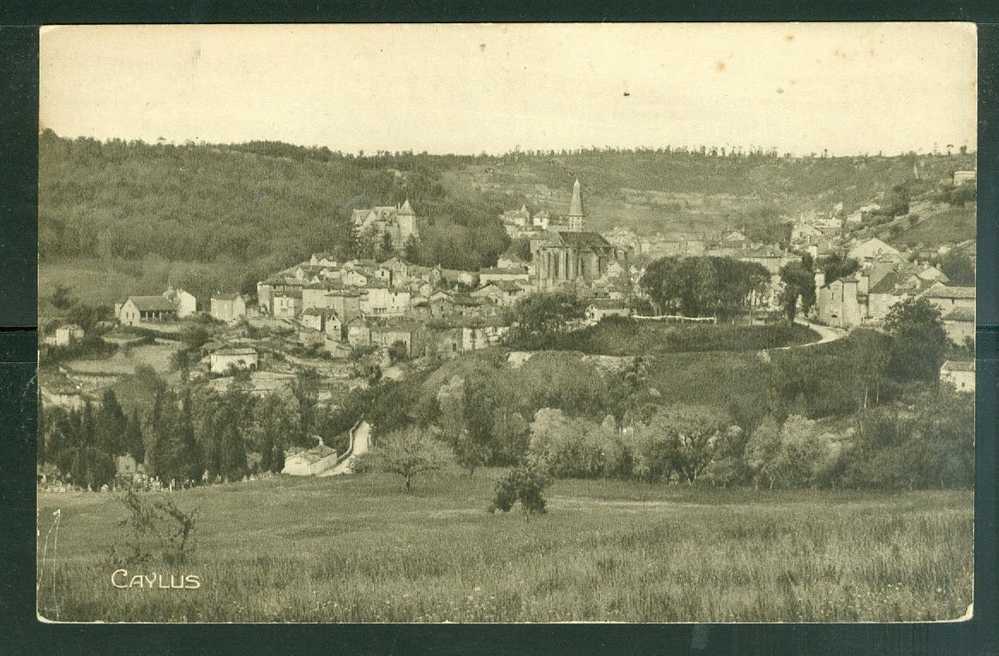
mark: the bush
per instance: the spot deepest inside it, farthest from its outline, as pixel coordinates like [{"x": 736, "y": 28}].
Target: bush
[
  {"x": 524, "y": 484},
  {"x": 156, "y": 530}
]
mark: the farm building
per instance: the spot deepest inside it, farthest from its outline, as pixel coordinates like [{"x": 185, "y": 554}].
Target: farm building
[
  {"x": 310, "y": 462},
  {"x": 224, "y": 359},
  {"x": 139, "y": 309}
]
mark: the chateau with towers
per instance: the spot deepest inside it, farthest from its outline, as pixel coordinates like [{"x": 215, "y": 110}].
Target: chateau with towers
[{"x": 398, "y": 221}]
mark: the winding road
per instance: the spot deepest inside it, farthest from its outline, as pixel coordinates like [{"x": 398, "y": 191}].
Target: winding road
[{"x": 826, "y": 335}]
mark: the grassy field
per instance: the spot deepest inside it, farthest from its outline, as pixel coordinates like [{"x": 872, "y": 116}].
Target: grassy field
[
  {"x": 356, "y": 549},
  {"x": 654, "y": 338},
  {"x": 122, "y": 363},
  {"x": 955, "y": 224}
]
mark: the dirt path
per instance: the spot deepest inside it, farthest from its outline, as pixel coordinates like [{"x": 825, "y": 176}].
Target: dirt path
[
  {"x": 360, "y": 445},
  {"x": 826, "y": 335}
]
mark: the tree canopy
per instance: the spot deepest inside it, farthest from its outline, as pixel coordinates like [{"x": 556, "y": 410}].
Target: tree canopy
[{"x": 703, "y": 286}]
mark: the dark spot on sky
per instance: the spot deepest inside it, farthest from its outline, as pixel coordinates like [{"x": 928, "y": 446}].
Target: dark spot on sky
[
  {"x": 720, "y": 67},
  {"x": 482, "y": 47},
  {"x": 627, "y": 93},
  {"x": 780, "y": 90},
  {"x": 789, "y": 38}
]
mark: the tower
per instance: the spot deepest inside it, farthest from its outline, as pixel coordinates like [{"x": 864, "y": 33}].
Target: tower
[
  {"x": 575, "y": 219},
  {"x": 406, "y": 220}
]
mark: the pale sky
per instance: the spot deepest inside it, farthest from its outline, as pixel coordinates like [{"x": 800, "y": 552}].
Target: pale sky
[{"x": 851, "y": 88}]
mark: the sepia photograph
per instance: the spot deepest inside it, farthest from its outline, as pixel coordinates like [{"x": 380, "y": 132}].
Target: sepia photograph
[{"x": 507, "y": 323}]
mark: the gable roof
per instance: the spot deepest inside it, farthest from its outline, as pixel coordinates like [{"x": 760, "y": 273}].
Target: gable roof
[
  {"x": 947, "y": 291},
  {"x": 152, "y": 303},
  {"x": 958, "y": 365},
  {"x": 885, "y": 284}
]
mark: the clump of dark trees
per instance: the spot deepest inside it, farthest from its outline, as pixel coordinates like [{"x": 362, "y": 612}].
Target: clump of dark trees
[{"x": 186, "y": 435}]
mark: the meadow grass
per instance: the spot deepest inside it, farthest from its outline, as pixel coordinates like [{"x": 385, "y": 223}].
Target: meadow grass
[{"x": 357, "y": 549}]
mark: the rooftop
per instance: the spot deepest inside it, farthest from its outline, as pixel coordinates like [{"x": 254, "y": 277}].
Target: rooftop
[
  {"x": 947, "y": 291},
  {"x": 152, "y": 303},
  {"x": 236, "y": 351},
  {"x": 958, "y": 365}
]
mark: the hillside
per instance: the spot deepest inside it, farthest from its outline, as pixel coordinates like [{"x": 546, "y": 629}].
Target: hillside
[
  {"x": 657, "y": 191},
  {"x": 272, "y": 203}
]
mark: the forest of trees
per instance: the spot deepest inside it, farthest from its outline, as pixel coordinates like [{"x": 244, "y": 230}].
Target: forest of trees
[
  {"x": 259, "y": 202},
  {"x": 188, "y": 433}
]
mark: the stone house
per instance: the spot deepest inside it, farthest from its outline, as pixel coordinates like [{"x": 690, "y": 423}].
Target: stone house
[
  {"x": 286, "y": 304},
  {"x": 323, "y": 320},
  {"x": 948, "y": 298},
  {"x": 960, "y": 324},
  {"x": 184, "y": 301},
  {"x": 504, "y": 293},
  {"x": 323, "y": 259},
  {"x": 228, "y": 307},
  {"x": 389, "y": 334},
  {"x": 358, "y": 332},
  {"x": 382, "y": 301},
  {"x": 398, "y": 270}
]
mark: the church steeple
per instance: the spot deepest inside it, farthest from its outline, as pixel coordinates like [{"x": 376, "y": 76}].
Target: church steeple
[{"x": 575, "y": 215}]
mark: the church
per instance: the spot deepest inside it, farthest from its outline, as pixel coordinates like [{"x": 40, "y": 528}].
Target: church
[{"x": 567, "y": 254}]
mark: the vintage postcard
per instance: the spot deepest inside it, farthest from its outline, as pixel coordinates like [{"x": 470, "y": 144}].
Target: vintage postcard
[{"x": 507, "y": 323}]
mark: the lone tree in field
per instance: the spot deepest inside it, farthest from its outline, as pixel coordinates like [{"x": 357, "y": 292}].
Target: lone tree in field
[{"x": 407, "y": 452}]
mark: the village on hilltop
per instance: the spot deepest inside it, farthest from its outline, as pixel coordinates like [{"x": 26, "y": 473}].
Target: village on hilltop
[{"x": 341, "y": 320}]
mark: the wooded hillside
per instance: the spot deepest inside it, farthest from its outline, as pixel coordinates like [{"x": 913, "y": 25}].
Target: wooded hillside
[{"x": 276, "y": 203}]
